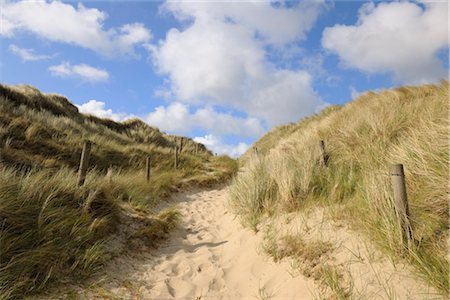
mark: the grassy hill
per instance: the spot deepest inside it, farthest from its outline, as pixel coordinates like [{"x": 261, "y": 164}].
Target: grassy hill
[
  {"x": 407, "y": 125},
  {"x": 49, "y": 227}
]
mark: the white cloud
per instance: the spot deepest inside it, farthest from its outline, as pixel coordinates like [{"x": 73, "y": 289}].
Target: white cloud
[
  {"x": 97, "y": 108},
  {"x": 81, "y": 26},
  {"x": 177, "y": 118},
  {"x": 400, "y": 38},
  {"x": 27, "y": 54},
  {"x": 166, "y": 94},
  {"x": 83, "y": 71},
  {"x": 274, "y": 25},
  {"x": 216, "y": 145},
  {"x": 221, "y": 58}
]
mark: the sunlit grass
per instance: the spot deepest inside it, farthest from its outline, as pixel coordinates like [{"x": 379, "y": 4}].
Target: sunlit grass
[
  {"x": 53, "y": 230},
  {"x": 408, "y": 125}
]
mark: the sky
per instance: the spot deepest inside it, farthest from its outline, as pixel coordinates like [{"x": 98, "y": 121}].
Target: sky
[{"x": 223, "y": 73}]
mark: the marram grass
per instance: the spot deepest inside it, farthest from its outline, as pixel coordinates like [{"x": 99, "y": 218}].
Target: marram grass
[
  {"x": 51, "y": 230},
  {"x": 407, "y": 125}
]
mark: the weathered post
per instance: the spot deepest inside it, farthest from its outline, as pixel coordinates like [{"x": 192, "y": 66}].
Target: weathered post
[
  {"x": 401, "y": 202},
  {"x": 196, "y": 148},
  {"x": 147, "y": 169},
  {"x": 181, "y": 145},
  {"x": 176, "y": 157},
  {"x": 255, "y": 150},
  {"x": 324, "y": 155},
  {"x": 84, "y": 162}
]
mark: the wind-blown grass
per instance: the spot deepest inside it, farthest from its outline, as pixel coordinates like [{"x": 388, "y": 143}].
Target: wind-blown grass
[
  {"x": 51, "y": 229},
  {"x": 407, "y": 125}
]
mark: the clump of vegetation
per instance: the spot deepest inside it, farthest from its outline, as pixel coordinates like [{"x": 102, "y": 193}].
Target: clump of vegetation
[
  {"x": 308, "y": 253},
  {"x": 46, "y": 230},
  {"x": 49, "y": 227},
  {"x": 310, "y": 258},
  {"x": 157, "y": 230},
  {"x": 407, "y": 125}
]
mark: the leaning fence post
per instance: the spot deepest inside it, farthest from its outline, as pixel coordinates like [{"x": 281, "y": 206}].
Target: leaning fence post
[
  {"x": 324, "y": 155},
  {"x": 147, "y": 169},
  {"x": 176, "y": 157},
  {"x": 401, "y": 201},
  {"x": 84, "y": 162}
]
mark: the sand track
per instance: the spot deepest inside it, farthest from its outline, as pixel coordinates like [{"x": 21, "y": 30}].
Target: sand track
[{"x": 211, "y": 256}]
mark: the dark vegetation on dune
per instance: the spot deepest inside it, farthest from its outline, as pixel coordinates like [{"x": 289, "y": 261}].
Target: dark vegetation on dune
[{"x": 49, "y": 227}]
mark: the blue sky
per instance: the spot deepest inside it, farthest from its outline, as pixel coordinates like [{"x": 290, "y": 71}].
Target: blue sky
[{"x": 223, "y": 73}]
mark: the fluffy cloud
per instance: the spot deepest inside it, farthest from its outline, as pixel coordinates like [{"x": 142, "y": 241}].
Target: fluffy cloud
[
  {"x": 83, "y": 71},
  {"x": 400, "y": 38},
  {"x": 27, "y": 54},
  {"x": 178, "y": 118},
  {"x": 273, "y": 24},
  {"x": 216, "y": 145},
  {"x": 97, "y": 108},
  {"x": 221, "y": 58},
  {"x": 81, "y": 26}
]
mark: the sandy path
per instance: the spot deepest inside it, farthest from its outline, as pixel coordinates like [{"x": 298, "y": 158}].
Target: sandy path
[{"x": 211, "y": 257}]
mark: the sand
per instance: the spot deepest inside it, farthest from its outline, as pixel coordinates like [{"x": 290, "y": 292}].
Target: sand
[{"x": 211, "y": 256}]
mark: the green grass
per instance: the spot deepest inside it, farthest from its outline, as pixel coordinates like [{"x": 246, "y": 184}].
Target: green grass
[
  {"x": 50, "y": 227},
  {"x": 407, "y": 125},
  {"x": 51, "y": 230}
]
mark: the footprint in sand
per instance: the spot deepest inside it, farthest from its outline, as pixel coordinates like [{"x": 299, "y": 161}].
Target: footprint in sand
[{"x": 217, "y": 284}]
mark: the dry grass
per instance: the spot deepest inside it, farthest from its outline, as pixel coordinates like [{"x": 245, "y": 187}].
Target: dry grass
[
  {"x": 331, "y": 278},
  {"x": 407, "y": 125},
  {"x": 50, "y": 229},
  {"x": 158, "y": 229},
  {"x": 310, "y": 257}
]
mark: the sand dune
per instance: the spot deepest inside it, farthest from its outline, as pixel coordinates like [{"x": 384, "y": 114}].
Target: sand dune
[{"x": 211, "y": 256}]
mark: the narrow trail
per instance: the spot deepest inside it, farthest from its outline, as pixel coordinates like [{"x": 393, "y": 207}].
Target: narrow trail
[{"x": 209, "y": 257}]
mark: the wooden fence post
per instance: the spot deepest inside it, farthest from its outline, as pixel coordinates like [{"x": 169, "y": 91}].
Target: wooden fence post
[
  {"x": 84, "y": 162},
  {"x": 181, "y": 145},
  {"x": 176, "y": 157},
  {"x": 401, "y": 202},
  {"x": 196, "y": 148},
  {"x": 255, "y": 150},
  {"x": 147, "y": 169},
  {"x": 324, "y": 155}
]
